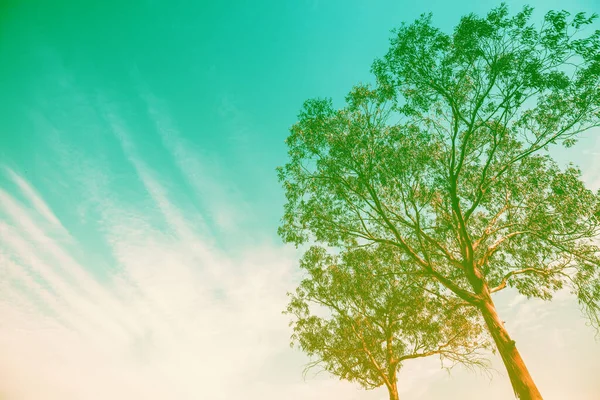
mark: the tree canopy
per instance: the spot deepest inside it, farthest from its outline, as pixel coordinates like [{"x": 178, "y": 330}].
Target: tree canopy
[
  {"x": 372, "y": 321},
  {"x": 446, "y": 162}
]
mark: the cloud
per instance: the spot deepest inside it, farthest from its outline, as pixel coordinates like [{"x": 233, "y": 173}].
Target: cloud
[
  {"x": 178, "y": 318},
  {"x": 35, "y": 199},
  {"x": 226, "y": 207}
]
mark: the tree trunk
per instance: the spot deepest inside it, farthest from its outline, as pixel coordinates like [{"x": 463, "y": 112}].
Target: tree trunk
[
  {"x": 393, "y": 389},
  {"x": 522, "y": 383}
]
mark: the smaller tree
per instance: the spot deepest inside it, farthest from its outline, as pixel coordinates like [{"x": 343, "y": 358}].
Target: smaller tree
[{"x": 373, "y": 320}]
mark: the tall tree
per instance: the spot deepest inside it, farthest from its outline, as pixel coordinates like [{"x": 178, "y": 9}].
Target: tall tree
[
  {"x": 372, "y": 321},
  {"x": 446, "y": 162}
]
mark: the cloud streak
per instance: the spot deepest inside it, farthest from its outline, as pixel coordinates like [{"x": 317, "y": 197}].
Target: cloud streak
[{"x": 176, "y": 317}]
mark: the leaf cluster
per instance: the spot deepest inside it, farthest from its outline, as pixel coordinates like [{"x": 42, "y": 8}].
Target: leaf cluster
[
  {"x": 360, "y": 320},
  {"x": 445, "y": 162}
]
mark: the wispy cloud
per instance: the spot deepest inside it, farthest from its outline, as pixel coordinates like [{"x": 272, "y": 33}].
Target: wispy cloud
[
  {"x": 225, "y": 206},
  {"x": 179, "y": 318},
  {"x": 34, "y": 199}
]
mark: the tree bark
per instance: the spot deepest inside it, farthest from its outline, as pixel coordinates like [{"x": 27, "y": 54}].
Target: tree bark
[
  {"x": 522, "y": 382},
  {"x": 393, "y": 389}
]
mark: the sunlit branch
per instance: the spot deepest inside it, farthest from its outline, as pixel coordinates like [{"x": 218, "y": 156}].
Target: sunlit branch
[{"x": 504, "y": 281}]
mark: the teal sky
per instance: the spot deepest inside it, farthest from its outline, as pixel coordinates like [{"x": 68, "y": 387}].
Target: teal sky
[
  {"x": 139, "y": 139},
  {"x": 231, "y": 77}
]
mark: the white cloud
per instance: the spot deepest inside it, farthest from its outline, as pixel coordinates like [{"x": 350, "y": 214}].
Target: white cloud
[
  {"x": 225, "y": 204},
  {"x": 179, "y": 318},
  {"x": 35, "y": 199}
]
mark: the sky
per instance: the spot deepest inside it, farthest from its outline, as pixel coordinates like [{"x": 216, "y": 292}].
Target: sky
[{"x": 139, "y": 202}]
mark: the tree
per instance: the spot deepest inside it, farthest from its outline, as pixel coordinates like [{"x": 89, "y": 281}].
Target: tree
[
  {"x": 446, "y": 162},
  {"x": 376, "y": 321}
]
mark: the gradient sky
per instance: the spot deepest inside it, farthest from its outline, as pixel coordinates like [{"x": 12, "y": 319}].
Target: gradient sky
[{"x": 139, "y": 202}]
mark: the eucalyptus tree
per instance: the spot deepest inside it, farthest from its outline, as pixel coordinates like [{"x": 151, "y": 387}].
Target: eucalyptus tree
[
  {"x": 361, "y": 323},
  {"x": 446, "y": 162}
]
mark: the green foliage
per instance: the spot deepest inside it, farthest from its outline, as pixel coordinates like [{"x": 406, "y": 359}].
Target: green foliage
[
  {"x": 374, "y": 319},
  {"x": 445, "y": 162}
]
